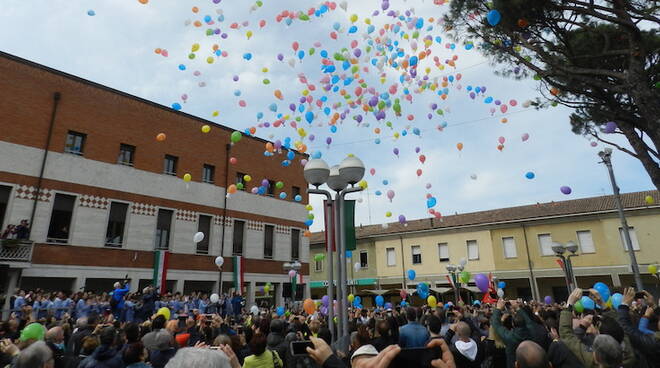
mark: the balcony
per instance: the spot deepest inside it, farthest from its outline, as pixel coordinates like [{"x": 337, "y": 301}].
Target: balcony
[{"x": 12, "y": 250}]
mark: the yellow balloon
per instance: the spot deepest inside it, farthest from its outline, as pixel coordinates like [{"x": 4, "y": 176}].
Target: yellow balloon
[
  {"x": 431, "y": 301},
  {"x": 249, "y": 34},
  {"x": 388, "y": 214},
  {"x": 165, "y": 312},
  {"x": 309, "y": 207},
  {"x": 206, "y": 128},
  {"x": 653, "y": 269},
  {"x": 247, "y": 178},
  {"x": 210, "y": 59},
  {"x": 351, "y": 297},
  {"x": 649, "y": 200},
  {"x": 266, "y": 288},
  {"x": 264, "y": 70},
  {"x": 216, "y": 113},
  {"x": 187, "y": 177},
  {"x": 368, "y": 21},
  {"x": 363, "y": 184},
  {"x": 305, "y": 92},
  {"x": 195, "y": 47},
  {"x": 354, "y": 18}
]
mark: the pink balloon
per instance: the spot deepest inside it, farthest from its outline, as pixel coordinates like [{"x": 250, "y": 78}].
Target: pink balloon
[
  {"x": 503, "y": 108},
  {"x": 501, "y": 140},
  {"x": 525, "y": 137},
  {"x": 390, "y": 194},
  {"x": 372, "y": 171}
]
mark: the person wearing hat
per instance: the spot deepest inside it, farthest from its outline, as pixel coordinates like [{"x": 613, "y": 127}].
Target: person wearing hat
[{"x": 364, "y": 351}]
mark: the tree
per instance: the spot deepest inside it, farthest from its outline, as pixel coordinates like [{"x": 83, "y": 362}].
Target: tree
[{"x": 599, "y": 57}]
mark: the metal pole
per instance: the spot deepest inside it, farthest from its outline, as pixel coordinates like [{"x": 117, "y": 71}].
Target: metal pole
[
  {"x": 566, "y": 274},
  {"x": 329, "y": 231},
  {"x": 534, "y": 285},
  {"x": 342, "y": 267},
  {"x": 624, "y": 224},
  {"x": 572, "y": 274},
  {"x": 341, "y": 310}
]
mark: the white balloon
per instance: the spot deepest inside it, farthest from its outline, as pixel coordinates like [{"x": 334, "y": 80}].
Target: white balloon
[
  {"x": 343, "y": 5},
  {"x": 214, "y": 298},
  {"x": 198, "y": 237},
  {"x": 462, "y": 262},
  {"x": 356, "y": 266},
  {"x": 500, "y": 293},
  {"x": 254, "y": 310},
  {"x": 219, "y": 261}
]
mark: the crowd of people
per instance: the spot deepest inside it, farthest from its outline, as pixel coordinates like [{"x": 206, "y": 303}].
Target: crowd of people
[
  {"x": 152, "y": 330},
  {"x": 19, "y": 232}
]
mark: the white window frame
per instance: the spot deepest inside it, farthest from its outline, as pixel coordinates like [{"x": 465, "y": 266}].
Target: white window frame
[
  {"x": 317, "y": 264},
  {"x": 74, "y": 213},
  {"x": 126, "y": 222},
  {"x": 440, "y": 246},
  {"x": 633, "y": 239},
  {"x": 476, "y": 244},
  {"x": 577, "y": 235},
  {"x": 515, "y": 247},
  {"x": 367, "y": 254},
  {"x": 412, "y": 254},
  {"x": 387, "y": 257},
  {"x": 538, "y": 238}
]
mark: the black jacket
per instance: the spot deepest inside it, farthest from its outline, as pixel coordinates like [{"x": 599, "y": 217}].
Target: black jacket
[
  {"x": 647, "y": 345},
  {"x": 460, "y": 359},
  {"x": 103, "y": 357},
  {"x": 562, "y": 357},
  {"x": 276, "y": 342}
]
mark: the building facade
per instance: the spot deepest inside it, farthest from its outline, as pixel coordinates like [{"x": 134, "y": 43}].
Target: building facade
[
  {"x": 515, "y": 245},
  {"x": 99, "y": 174}
]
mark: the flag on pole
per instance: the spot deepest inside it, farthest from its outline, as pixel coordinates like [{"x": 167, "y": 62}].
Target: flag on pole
[
  {"x": 161, "y": 260},
  {"x": 349, "y": 224},
  {"x": 327, "y": 222},
  {"x": 239, "y": 276}
]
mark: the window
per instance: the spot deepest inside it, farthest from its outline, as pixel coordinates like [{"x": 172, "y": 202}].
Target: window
[
  {"x": 364, "y": 259},
  {"x": 509, "y": 245},
  {"x": 114, "y": 235},
  {"x": 295, "y": 191},
  {"x": 271, "y": 188},
  {"x": 126, "y": 154},
  {"x": 586, "y": 241},
  {"x": 391, "y": 256},
  {"x": 545, "y": 242},
  {"x": 416, "y": 254},
  {"x": 318, "y": 265},
  {"x": 269, "y": 239},
  {"x": 443, "y": 252},
  {"x": 208, "y": 173},
  {"x": 237, "y": 241},
  {"x": 295, "y": 244},
  {"x": 163, "y": 229},
  {"x": 60, "y": 219},
  {"x": 239, "y": 178},
  {"x": 5, "y": 191},
  {"x": 169, "y": 166},
  {"x": 472, "y": 249},
  {"x": 204, "y": 226},
  {"x": 75, "y": 143},
  {"x": 633, "y": 238}
]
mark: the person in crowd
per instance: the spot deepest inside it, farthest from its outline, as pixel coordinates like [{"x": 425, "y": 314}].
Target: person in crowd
[
  {"x": 201, "y": 358},
  {"x": 106, "y": 355},
  {"x": 413, "y": 334},
  {"x": 134, "y": 355},
  {"x": 163, "y": 349},
  {"x": 466, "y": 351},
  {"x": 149, "y": 339},
  {"x": 55, "y": 342},
  {"x": 37, "y": 355},
  {"x": 647, "y": 345},
  {"x": 383, "y": 339},
  {"x": 275, "y": 340},
  {"x": 117, "y": 301},
  {"x": 261, "y": 357},
  {"x": 514, "y": 336},
  {"x": 530, "y": 355}
]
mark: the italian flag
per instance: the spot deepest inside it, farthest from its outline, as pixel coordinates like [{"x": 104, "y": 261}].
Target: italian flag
[
  {"x": 161, "y": 259},
  {"x": 239, "y": 275}
]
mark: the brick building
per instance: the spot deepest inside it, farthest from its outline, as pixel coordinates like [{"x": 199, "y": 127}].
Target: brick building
[{"x": 83, "y": 162}]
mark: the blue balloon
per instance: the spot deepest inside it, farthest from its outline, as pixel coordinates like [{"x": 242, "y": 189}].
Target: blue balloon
[
  {"x": 357, "y": 301},
  {"x": 309, "y": 223},
  {"x": 282, "y": 195},
  {"x": 333, "y": 129},
  {"x": 501, "y": 284},
  {"x": 260, "y": 115},
  {"x": 247, "y": 56},
  {"x": 378, "y": 192},
  {"x": 588, "y": 303},
  {"x": 488, "y": 100},
  {"x": 324, "y": 53},
  {"x": 420, "y": 23},
  {"x": 411, "y": 274},
  {"x": 272, "y": 107},
  {"x": 493, "y": 17},
  {"x": 182, "y": 67},
  {"x": 349, "y": 254},
  {"x": 176, "y": 106},
  {"x": 603, "y": 290},
  {"x": 476, "y": 302},
  {"x": 290, "y": 155},
  {"x": 317, "y": 154},
  {"x": 301, "y": 54},
  {"x": 388, "y": 305},
  {"x": 280, "y": 311},
  {"x": 413, "y": 60},
  {"x": 380, "y": 300},
  {"x": 297, "y": 198},
  {"x": 403, "y": 303},
  {"x": 91, "y": 13},
  {"x": 530, "y": 175},
  {"x": 431, "y": 202},
  {"x": 617, "y": 298},
  {"x": 353, "y": 29}
]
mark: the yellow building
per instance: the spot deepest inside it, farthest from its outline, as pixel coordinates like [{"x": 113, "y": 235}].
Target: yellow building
[{"x": 514, "y": 244}]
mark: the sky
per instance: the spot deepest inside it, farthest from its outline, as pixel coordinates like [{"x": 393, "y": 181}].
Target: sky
[{"x": 113, "y": 42}]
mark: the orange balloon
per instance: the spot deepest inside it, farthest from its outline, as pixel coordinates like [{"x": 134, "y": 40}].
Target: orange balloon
[
  {"x": 505, "y": 120},
  {"x": 195, "y": 9},
  {"x": 161, "y": 137},
  {"x": 309, "y": 306},
  {"x": 278, "y": 94},
  {"x": 231, "y": 189},
  {"x": 303, "y": 148},
  {"x": 459, "y": 145},
  {"x": 253, "y": 130},
  {"x": 269, "y": 147},
  {"x": 143, "y": 1},
  {"x": 554, "y": 91},
  {"x": 158, "y": 50}
]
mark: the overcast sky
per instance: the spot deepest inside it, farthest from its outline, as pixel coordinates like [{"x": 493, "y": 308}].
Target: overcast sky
[{"x": 115, "y": 47}]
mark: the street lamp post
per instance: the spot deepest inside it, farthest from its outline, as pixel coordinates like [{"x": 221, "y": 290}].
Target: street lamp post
[
  {"x": 349, "y": 171},
  {"x": 560, "y": 249},
  {"x": 292, "y": 266},
  {"x": 606, "y": 157}
]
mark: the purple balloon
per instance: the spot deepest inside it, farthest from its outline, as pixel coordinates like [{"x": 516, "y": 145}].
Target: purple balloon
[
  {"x": 302, "y": 99},
  {"x": 235, "y": 78},
  {"x": 472, "y": 95},
  {"x": 358, "y": 118},
  {"x": 373, "y": 101},
  {"x": 384, "y": 5},
  {"x": 292, "y": 107},
  {"x": 482, "y": 282},
  {"x": 434, "y": 106},
  {"x": 380, "y": 115},
  {"x": 311, "y": 137},
  {"x": 357, "y": 52},
  {"x": 610, "y": 127},
  {"x": 278, "y": 144},
  {"x": 498, "y": 102},
  {"x": 325, "y": 300},
  {"x": 396, "y": 151},
  {"x": 483, "y": 89},
  {"x": 402, "y": 219},
  {"x": 566, "y": 190},
  {"x": 328, "y": 140},
  {"x": 280, "y": 57},
  {"x": 264, "y": 182},
  {"x": 417, "y": 149},
  {"x": 547, "y": 299}
]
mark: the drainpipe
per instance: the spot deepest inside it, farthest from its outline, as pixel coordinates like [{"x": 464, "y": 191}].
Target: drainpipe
[
  {"x": 224, "y": 213},
  {"x": 535, "y": 287},
  {"x": 403, "y": 265},
  {"x": 56, "y": 100}
]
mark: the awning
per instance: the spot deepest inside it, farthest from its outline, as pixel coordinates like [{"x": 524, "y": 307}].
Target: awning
[
  {"x": 377, "y": 291},
  {"x": 441, "y": 290}
]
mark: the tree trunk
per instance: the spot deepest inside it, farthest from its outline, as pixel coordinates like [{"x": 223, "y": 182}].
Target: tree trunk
[{"x": 643, "y": 155}]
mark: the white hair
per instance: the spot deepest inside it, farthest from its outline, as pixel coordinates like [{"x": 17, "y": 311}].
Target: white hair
[
  {"x": 199, "y": 358},
  {"x": 607, "y": 351},
  {"x": 117, "y": 285},
  {"x": 35, "y": 356}
]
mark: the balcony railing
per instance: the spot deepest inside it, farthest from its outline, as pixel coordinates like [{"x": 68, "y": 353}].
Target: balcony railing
[{"x": 12, "y": 250}]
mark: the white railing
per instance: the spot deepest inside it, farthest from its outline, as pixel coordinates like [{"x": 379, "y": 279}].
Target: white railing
[{"x": 16, "y": 250}]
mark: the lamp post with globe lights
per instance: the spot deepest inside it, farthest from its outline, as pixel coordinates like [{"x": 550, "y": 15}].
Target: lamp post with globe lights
[
  {"x": 606, "y": 157},
  {"x": 338, "y": 178},
  {"x": 292, "y": 269},
  {"x": 560, "y": 249}
]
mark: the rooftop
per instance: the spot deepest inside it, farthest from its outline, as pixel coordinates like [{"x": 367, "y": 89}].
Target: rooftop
[{"x": 575, "y": 207}]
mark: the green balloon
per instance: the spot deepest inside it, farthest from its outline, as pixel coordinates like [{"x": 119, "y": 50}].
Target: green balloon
[
  {"x": 279, "y": 185},
  {"x": 310, "y": 216},
  {"x": 311, "y": 51},
  {"x": 578, "y": 307},
  {"x": 33, "y": 331},
  {"x": 464, "y": 277},
  {"x": 240, "y": 186},
  {"x": 266, "y": 81},
  {"x": 236, "y": 136}
]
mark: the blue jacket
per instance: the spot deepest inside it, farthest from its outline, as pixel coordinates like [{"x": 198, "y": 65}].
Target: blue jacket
[
  {"x": 118, "y": 295},
  {"x": 103, "y": 357},
  {"x": 413, "y": 335}
]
